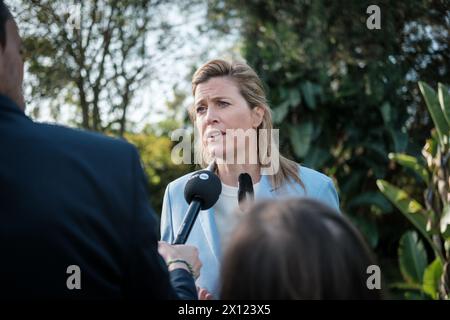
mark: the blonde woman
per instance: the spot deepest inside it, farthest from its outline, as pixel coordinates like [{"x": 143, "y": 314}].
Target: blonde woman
[{"x": 229, "y": 100}]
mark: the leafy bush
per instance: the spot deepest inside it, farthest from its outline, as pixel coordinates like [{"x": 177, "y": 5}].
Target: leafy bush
[{"x": 431, "y": 220}]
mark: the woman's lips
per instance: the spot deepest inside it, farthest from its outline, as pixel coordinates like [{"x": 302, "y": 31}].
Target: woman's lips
[{"x": 213, "y": 135}]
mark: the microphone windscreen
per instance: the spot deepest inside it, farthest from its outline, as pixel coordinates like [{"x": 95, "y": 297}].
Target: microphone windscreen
[
  {"x": 245, "y": 187},
  {"x": 205, "y": 186}
]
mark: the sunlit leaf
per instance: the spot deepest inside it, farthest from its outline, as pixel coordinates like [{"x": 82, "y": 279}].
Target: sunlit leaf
[
  {"x": 444, "y": 101},
  {"x": 431, "y": 278},
  {"x": 412, "y": 257},
  {"x": 411, "y": 163},
  {"x": 432, "y": 102}
]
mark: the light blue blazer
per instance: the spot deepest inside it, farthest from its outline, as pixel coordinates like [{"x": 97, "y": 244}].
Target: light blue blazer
[{"x": 204, "y": 234}]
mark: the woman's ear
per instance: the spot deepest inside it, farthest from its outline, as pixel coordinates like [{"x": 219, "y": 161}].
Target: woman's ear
[{"x": 257, "y": 116}]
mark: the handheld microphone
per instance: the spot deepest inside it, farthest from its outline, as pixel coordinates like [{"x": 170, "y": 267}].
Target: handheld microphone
[
  {"x": 246, "y": 194},
  {"x": 201, "y": 192}
]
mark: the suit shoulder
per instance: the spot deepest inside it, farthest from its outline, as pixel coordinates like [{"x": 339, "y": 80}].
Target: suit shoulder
[
  {"x": 313, "y": 180},
  {"x": 316, "y": 182},
  {"x": 70, "y": 137},
  {"x": 320, "y": 186},
  {"x": 308, "y": 175}
]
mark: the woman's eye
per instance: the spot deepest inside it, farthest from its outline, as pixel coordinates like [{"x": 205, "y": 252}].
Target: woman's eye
[
  {"x": 200, "y": 109},
  {"x": 223, "y": 103}
]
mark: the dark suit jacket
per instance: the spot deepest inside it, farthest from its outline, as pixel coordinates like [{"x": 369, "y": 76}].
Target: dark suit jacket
[{"x": 69, "y": 197}]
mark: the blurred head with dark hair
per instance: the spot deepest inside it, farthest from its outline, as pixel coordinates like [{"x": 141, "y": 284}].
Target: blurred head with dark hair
[
  {"x": 5, "y": 15},
  {"x": 296, "y": 249},
  {"x": 11, "y": 62}
]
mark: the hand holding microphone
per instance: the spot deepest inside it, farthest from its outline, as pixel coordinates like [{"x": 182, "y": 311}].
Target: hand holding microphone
[{"x": 181, "y": 256}]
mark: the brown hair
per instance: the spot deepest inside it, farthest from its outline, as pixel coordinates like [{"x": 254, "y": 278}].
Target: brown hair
[
  {"x": 5, "y": 15},
  {"x": 296, "y": 249},
  {"x": 251, "y": 88}
]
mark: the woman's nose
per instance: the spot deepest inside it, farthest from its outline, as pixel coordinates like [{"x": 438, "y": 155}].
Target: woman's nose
[{"x": 211, "y": 115}]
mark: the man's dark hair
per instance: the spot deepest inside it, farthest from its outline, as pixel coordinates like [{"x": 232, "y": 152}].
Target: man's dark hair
[
  {"x": 296, "y": 249},
  {"x": 5, "y": 15}
]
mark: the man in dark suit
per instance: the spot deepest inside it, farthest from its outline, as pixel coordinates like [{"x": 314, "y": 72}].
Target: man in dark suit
[{"x": 75, "y": 217}]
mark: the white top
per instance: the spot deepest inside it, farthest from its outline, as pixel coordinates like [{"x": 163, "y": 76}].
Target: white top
[{"x": 227, "y": 211}]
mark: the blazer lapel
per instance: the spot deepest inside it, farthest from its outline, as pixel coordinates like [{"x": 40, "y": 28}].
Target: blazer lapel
[{"x": 209, "y": 227}]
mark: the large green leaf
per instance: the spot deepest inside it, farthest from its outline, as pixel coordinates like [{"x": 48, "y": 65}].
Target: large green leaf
[
  {"x": 404, "y": 203},
  {"x": 412, "y": 257},
  {"x": 410, "y": 208},
  {"x": 411, "y": 163},
  {"x": 301, "y": 138},
  {"x": 444, "y": 101},
  {"x": 431, "y": 278},
  {"x": 435, "y": 110}
]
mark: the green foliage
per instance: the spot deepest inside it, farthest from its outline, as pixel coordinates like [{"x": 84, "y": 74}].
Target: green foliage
[
  {"x": 444, "y": 100},
  {"x": 437, "y": 113},
  {"x": 412, "y": 258},
  {"x": 301, "y": 136},
  {"x": 411, "y": 163},
  {"x": 412, "y": 210},
  {"x": 95, "y": 67},
  {"x": 155, "y": 152},
  {"x": 431, "y": 278},
  {"x": 433, "y": 221}
]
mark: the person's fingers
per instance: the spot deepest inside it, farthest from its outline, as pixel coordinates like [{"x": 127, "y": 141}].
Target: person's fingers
[
  {"x": 161, "y": 247},
  {"x": 162, "y": 244},
  {"x": 202, "y": 294}
]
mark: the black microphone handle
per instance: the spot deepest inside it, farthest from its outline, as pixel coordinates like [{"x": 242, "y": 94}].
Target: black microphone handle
[{"x": 188, "y": 222}]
